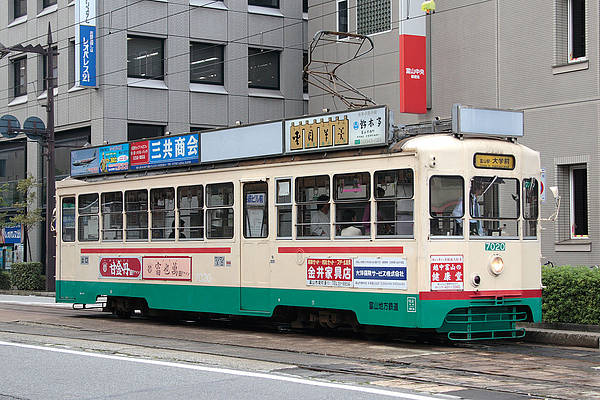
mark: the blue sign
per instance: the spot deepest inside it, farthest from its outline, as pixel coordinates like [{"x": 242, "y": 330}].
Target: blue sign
[
  {"x": 114, "y": 158},
  {"x": 85, "y": 162},
  {"x": 169, "y": 151},
  {"x": 87, "y": 56},
  {"x": 12, "y": 234},
  {"x": 255, "y": 199}
]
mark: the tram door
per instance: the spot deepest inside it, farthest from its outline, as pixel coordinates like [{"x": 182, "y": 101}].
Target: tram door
[{"x": 255, "y": 249}]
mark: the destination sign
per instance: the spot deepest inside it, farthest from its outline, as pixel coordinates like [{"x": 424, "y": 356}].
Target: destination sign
[{"x": 494, "y": 161}]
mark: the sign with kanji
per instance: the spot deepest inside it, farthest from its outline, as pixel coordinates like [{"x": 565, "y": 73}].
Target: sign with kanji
[
  {"x": 494, "y": 161},
  {"x": 168, "y": 268},
  {"x": 447, "y": 272},
  {"x": 86, "y": 45},
  {"x": 329, "y": 272},
  {"x": 120, "y": 267},
  {"x": 365, "y": 127},
  {"x": 380, "y": 273},
  {"x": 168, "y": 151},
  {"x": 114, "y": 158}
]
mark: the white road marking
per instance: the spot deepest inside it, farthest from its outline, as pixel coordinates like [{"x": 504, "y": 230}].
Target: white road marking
[
  {"x": 37, "y": 303},
  {"x": 227, "y": 371}
]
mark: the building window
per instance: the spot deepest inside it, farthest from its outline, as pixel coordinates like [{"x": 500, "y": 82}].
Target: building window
[
  {"x": 206, "y": 63},
  {"x": 54, "y": 69},
  {"x": 48, "y": 3},
  {"x": 20, "y": 8},
  {"x": 304, "y": 74},
  {"x": 263, "y": 69},
  {"x": 342, "y": 17},
  {"x": 373, "y": 16},
  {"x": 20, "y": 76},
  {"x": 576, "y": 29},
  {"x": 578, "y": 201},
  {"x": 145, "y": 57},
  {"x": 71, "y": 55},
  {"x": 305, "y": 6},
  {"x": 141, "y": 131},
  {"x": 264, "y": 3}
]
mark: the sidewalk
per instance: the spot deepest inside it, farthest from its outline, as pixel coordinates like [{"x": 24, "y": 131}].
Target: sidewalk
[{"x": 544, "y": 333}]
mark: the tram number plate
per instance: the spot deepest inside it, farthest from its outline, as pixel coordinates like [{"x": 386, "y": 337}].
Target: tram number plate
[{"x": 495, "y": 246}]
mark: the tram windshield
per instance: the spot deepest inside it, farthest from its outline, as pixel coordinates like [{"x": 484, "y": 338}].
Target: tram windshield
[{"x": 494, "y": 206}]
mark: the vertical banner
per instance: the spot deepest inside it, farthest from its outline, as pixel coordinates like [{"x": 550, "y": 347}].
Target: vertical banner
[
  {"x": 85, "y": 43},
  {"x": 413, "y": 45}
]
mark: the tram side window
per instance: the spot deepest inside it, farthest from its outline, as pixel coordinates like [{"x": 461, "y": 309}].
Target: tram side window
[
  {"x": 162, "y": 208},
  {"x": 112, "y": 216},
  {"x": 283, "y": 201},
  {"x": 256, "y": 217},
  {"x": 88, "y": 217},
  {"x": 446, "y": 205},
  {"x": 68, "y": 219},
  {"x": 312, "y": 200},
  {"x": 352, "y": 206},
  {"x": 394, "y": 190},
  {"x": 530, "y": 208},
  {"x": 219, "y": 211},
  {"x": 190, "y": 202},
  {"x": 136, "y": 215}
]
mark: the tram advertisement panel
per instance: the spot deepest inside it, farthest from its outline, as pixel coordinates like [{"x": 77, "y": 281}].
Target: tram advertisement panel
[
  {"x": 329, "y": 272},
  {"x": 381, "y": 273},
  {"x": 179, "y": 150},
  {"x": 114, "y": 158},
  {"x": 167, "y": 268},
  {"x": 447, "y": 272},
  {"x": 122, "y": 268}
]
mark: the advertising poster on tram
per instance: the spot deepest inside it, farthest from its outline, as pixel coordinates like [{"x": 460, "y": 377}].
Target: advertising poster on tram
[
  {"x": 85, "y": 162},
  {"x": 168, "y": 268},
  {"x": 380, "y": 273},
  {"x": 114, "y": 158},
  {"x": 120, "y": 267},
  {"x": 329, "y": 272},
  {"x": 168, "y": 151},
  {"x": 447, "y": 272}
]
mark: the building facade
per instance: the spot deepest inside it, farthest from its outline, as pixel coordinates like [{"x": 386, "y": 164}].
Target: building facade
[
  {"x": 540, "y": 57},
  {"x": 163, "y": 66}
]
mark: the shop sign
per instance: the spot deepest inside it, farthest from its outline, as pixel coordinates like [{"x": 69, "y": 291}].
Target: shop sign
[
  {"x": 447, "y": 272},
  {"x": 86, "y": 46},
  {"x": 119, "y": 267},
  {"x": 12, "y": 234}
]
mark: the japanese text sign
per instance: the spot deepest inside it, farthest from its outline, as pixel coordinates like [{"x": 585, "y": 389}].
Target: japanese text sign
[
  {"x": 177, "y": 150},
  {"x": 122, "y": 268},
  {"x": 167, "y": 268},
  {"x": 447, "y": 272},
  {"x": 86, "y": 46},
  {"x": 329, "y": 272},
  {"x": 380, "y": 272},
  {"x": 114, "y": 158}
]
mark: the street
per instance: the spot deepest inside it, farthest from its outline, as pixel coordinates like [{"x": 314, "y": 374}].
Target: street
[{"x": 58, "y": 353}]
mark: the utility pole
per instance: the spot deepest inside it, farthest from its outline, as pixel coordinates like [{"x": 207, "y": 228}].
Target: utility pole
[{"x": 48, "y": 52}]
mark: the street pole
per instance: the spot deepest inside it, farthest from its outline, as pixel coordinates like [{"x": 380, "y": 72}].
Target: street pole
[{"x": 50, "y": 182}]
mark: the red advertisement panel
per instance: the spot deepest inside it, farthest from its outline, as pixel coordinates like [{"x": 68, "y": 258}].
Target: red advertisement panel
[
  {"x": 413, "y": 79},
  {"x": 138, "y": 153},
  {"x": 329, "y": 272},
  {"x": 117, "y": 267},
  {"x": 171, "y": 268},
  {"x": 447, "y": 272}
]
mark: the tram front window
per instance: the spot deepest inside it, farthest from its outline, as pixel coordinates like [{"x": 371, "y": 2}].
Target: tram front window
[
  {"x": 494, "y": 207},
  {"x": 446, "y": 205}
]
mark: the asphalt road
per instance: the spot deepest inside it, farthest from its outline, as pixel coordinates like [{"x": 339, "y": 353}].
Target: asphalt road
[{"x": 294, "y": 362}]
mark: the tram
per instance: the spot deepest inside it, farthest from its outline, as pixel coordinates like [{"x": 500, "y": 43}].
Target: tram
[{"x": 337, "y": 219}]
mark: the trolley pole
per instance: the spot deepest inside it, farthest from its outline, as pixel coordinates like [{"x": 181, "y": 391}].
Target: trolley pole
[
  {"x": 48, "y": 52},
  {"x": 51, "y": 180}
]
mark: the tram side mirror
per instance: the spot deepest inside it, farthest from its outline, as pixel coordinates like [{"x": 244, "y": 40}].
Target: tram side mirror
[{"x": 552, "y": 218}]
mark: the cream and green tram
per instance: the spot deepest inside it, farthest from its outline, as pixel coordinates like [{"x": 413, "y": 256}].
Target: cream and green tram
[{"x": 430, "y": 232}]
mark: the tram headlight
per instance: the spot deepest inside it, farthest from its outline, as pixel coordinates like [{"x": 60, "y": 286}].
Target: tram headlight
[{"x": 496, "y": 265}]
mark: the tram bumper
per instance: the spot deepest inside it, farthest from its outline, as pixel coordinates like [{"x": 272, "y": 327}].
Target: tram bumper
[{"x": 467, "y": 316}]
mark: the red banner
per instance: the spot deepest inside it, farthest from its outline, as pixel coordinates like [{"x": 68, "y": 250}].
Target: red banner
[
  {"x": 413, "y": 79},
  {"x": 116, "y": 267},
  {"x": 139, "y": 153},
  {"x": 447, "y": 272}
]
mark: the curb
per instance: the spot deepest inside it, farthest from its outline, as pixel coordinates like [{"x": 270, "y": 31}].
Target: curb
[
  {"x": 28, "y": 293},
  {"x": 562, "y": 337}
]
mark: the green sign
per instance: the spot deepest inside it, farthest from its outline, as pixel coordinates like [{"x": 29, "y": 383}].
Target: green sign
[{"x": 495, "y": 246}]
